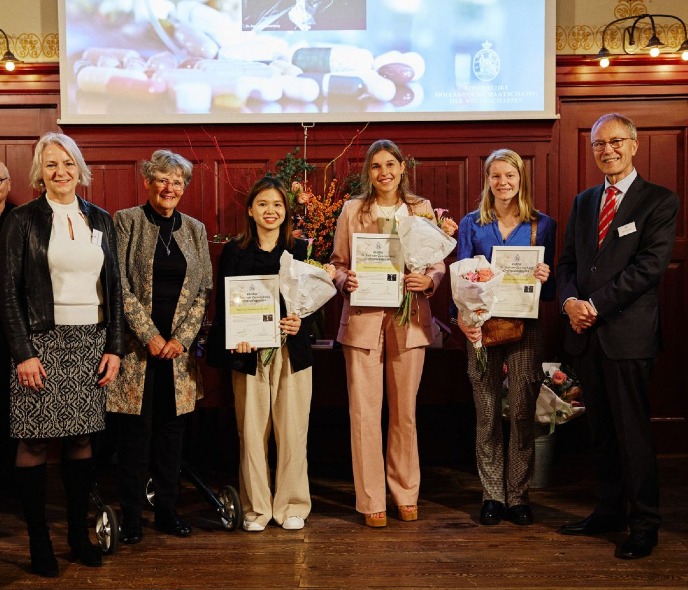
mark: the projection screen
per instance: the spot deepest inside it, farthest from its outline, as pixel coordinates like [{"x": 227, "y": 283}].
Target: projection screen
[{"x": 246, "y": 61}]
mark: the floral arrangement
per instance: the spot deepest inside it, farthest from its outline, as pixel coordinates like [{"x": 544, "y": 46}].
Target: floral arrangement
[
  {"x": 559, "y": 399},
  {"x": 423, "y": 244},
  {"x": 473, "y": 285},
  {"x": 315, "y": 217},
  {"x": 563, "y": 382},
  {"x": 444, "y": 221}
]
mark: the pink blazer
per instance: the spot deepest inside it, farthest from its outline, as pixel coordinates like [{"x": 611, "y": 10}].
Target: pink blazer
[{"x": 361, "y": 326}]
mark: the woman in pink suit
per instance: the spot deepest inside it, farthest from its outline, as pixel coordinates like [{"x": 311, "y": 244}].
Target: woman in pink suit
[{"x": 377, "y": 349}]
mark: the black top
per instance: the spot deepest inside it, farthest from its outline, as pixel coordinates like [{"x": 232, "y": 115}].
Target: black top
[
  {"x": 169, "y": 270},
  {"x": 235, "y": 262}
]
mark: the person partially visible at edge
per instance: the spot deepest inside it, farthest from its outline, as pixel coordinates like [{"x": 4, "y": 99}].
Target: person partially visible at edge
[
  {"x": 274, "y": 395},
  {"x": 166, "y": 283},
  {"x": 377, "y": 349},
  {"x": 8, "y": 445},
  {"x": 65, "y": 329},
  {"x": 610, "y": 295},
  {"x": 505, "y": 218}
]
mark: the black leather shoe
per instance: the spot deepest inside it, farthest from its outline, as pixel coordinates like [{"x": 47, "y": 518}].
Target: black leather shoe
[
  {"x": 172, "y": 525},
  {"x": 639, "y": 544},
  {"x": 492, "y": 512},
  {"x": 520, "y": 514},
  {"x": 131, "y": 532},
  {"x": 595, "y": 524},
  {"x": 87, "y": 553}
]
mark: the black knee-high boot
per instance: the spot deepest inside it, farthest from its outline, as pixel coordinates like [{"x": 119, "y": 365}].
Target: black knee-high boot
[
  {"x": 77, "y": 478},
  {"x": 31, "y": 486}
]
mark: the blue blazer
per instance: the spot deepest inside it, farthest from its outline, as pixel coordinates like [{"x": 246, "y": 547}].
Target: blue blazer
[{"x": 622, "y": 277}]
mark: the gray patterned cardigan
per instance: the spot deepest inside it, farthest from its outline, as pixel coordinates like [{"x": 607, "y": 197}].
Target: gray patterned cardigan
[{"x": 136, "y": 242}]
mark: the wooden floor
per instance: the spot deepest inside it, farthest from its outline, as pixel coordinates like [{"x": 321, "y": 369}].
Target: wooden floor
[{"x": 446, "y": 548}]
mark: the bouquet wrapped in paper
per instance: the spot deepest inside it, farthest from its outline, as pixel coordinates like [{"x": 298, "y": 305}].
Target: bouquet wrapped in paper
[
  {"x": 305, "y": 287},
  {"x": 473, "y": 284},
  {"x": 559, "y": 397},
  {"x": 423, "y": 244}
]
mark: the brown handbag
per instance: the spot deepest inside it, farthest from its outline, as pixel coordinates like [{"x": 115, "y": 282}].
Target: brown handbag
[{"x": 506, "y": 330}]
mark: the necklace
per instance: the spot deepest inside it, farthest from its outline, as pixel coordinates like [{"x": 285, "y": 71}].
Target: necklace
[
  {"x": 169, "y": 239},
  {"x": 388, "y": 212}
]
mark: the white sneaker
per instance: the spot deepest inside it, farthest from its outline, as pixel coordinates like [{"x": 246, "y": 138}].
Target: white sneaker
[
  {"x": 293, "y": 523},
  {"x": 253, "y": 526}
]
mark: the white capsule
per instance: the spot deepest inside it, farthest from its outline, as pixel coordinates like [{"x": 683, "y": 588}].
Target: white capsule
[
  {"x": 338, "y": 58},
  {"x": 93, "y": 54},
  {"x": 219, "y": 26},
  {"x": 383, "y": 59},
  {"x": 95, "y": 79},
  {"x": 192, "y": 97},
  {"x": 165, "y": 60},
  {"x": 234, "y": 67},
  {"x": 260, "y": 48},
  {"x": 194, "y": 41},
  {"x": 300, "y": 89},
  {"x": 264, "y": 89}
]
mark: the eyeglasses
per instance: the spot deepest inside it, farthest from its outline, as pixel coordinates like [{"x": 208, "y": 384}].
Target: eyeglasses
[
  {"x": 616, "y": 143},
  {"x": 177, "y": 186}
]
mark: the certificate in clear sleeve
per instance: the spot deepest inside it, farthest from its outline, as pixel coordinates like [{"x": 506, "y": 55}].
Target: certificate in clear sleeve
[
  {"x": 252, "y": 311},
  {"x": 519, "y": 294},
  {"x": 378, "y": 262}
]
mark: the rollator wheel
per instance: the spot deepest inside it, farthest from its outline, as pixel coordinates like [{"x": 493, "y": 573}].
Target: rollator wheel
[
  {"x": 231, "y": 513},
  {"x": 107, "y": 530},
  {"x": 150, "y": 491}
]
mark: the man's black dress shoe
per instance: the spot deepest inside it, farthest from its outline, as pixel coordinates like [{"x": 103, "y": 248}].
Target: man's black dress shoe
[
  {"x": 171, "y": 524},
  {"x": 131, "y": 532},
  {"x": 595, "y": 524},
  {"x": 639, "y": 544},
  {"x": 492, "y": 512},
  {"x": 520, "y": 514}
]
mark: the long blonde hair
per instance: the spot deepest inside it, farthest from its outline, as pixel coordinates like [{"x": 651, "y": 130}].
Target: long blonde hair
[{"x": 526, "y": 208}]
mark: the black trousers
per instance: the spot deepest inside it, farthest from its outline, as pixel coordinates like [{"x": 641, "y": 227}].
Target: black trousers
[
  {"x": 618, "y": 408},
  {"x": 151, "y": 443}
]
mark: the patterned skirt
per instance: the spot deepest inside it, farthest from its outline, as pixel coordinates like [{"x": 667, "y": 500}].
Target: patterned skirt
[{"x": 71, "y": 402}]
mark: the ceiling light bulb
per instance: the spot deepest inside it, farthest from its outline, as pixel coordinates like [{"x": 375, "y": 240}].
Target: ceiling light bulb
[
  {"x": 654, "y": 52},
  {"x": 684, "y": 55},
  {"x": 604, "y": 62},
  {"x": 9, "y": 66}
]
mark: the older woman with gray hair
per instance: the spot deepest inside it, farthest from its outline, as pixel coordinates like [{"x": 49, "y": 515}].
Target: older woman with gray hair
[
  {"x": 166, "y": 282},
  {"x": 61, "y": 310}
]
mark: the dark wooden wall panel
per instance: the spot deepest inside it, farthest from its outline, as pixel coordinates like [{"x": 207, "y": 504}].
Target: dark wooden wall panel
[{"x": 450, "y": 156}]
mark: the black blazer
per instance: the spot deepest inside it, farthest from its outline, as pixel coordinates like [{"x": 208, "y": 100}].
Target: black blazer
[
  {"x": 235, "y": 262},
  {"x": 622, "y": 277}
]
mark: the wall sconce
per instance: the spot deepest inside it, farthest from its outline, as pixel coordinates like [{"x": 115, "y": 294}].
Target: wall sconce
[
  {"x": 628, "y": 38},
  {"x": 8, "y": 60}
]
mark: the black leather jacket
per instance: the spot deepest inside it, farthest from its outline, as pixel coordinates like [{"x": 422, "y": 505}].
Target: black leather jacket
[{"x": 26, "y": 292}]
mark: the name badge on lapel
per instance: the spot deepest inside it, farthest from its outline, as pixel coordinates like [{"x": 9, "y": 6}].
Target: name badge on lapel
[
  {"x": 629, "y": 228},
  {"x": 96, "y": 237}
]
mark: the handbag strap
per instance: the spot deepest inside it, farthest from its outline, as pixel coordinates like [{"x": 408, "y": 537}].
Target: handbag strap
[{"x": 533, "y": 232}]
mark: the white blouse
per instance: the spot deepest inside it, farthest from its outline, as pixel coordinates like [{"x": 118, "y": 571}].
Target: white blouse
[{"x": 75, "y": 259}]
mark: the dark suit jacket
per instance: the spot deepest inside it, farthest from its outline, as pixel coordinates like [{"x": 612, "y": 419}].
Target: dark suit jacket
[
  {"x": 237, "y": 262},
  {"x": 622, "y": 277}
]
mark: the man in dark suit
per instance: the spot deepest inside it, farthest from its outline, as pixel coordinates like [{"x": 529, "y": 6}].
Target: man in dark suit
[{"x": 618, "y": 244}]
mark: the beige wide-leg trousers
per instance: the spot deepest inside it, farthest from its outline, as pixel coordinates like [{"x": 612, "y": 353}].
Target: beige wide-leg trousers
[
  {"x": 275, "y": 398},
  {"x": 366, "y": 370}
]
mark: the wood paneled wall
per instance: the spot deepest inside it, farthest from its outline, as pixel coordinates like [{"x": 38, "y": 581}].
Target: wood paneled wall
[{"x": 450, "y": 155}]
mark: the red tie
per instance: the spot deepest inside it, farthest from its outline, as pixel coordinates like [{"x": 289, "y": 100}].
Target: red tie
[{"x": 607, "y": 214}]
